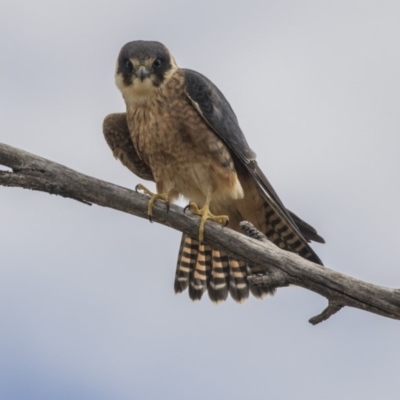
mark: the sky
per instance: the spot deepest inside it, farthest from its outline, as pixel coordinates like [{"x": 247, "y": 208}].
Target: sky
[{"x": 87, "y": 307}]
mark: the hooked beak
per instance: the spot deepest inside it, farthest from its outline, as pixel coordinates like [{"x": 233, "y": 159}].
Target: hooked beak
[{"x": 142, "y": 72}]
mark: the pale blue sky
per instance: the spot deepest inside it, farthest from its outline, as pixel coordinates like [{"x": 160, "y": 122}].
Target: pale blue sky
[{"x": 87, "y": 307}]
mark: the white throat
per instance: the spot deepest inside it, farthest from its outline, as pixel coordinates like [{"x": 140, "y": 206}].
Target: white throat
[{"x": 141, "y": 92}]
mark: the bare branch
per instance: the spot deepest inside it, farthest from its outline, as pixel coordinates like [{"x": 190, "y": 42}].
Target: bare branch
[{"x": 283, "y": 268}]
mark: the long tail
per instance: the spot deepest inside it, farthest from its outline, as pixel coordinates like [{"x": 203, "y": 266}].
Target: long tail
[{"x": 201, "y": 268}]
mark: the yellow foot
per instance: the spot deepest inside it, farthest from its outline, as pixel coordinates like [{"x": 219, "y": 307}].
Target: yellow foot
[
  {"x": 205, "y": 215},
  {"x": 153, "y": 199}
]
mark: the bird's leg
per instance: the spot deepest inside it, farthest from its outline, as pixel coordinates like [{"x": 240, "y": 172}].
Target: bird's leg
[
  {"x": 153, "y": 198},
  {"x": 205, "y": 214}
]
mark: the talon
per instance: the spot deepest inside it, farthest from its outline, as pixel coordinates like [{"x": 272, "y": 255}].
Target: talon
[
  {"x": 193, "y": 209},
  {"x": 167, "y": 205},
  {"x": 144, "y": 190},
  {"x": 153, "y": 198},
  {"x": 205, "y": 214}
]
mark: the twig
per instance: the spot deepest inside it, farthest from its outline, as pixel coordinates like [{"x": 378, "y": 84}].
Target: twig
[
  {"x": 273, "y": 278},
  {"x": 333, "y": 308}
]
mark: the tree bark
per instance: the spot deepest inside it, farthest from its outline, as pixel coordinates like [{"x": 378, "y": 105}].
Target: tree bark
[{"x": 282, "y": 268}]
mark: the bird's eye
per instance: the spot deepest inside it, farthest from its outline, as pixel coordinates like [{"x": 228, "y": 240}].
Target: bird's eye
[
  {"x": 157, "y": 63},
  {"x": 128, "y": 65}
]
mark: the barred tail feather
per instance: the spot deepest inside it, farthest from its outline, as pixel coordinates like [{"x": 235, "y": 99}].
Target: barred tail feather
[
  {"x": 201, "y": 268},
  {"x": 199, "y": 277},
  {"x": 218, "y": 287},
  {"x": 238, "y": 285},
  {"x": 186, "y": 262}
]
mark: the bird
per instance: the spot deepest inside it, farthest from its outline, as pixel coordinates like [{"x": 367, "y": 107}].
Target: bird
[{"x": 180, "y": 132}]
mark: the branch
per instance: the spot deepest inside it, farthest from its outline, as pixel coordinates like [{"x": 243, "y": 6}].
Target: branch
[{"x": 282, "y": 268}]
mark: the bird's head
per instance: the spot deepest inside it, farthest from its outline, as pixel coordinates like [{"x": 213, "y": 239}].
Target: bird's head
[{"x": 142, "y": 67}]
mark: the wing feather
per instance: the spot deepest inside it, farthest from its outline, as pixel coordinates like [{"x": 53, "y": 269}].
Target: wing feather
[
  {"x": 116, "y": 133},
  {"x": 218, "y": 114}
]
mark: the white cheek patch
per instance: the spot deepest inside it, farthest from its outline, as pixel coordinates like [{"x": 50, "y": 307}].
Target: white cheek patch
[{"x": 119, "y": 82}]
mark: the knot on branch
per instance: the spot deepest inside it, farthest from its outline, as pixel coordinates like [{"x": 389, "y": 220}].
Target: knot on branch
[{"x": 271, "y": 279}]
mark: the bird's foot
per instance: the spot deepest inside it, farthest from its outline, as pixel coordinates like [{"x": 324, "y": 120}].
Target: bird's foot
[
  {"x": 153, "y": 198},
  {"x": 205, "y": 214}
]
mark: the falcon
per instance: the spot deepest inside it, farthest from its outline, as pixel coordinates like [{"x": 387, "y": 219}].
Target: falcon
[{"x": 180, "y": 132}]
